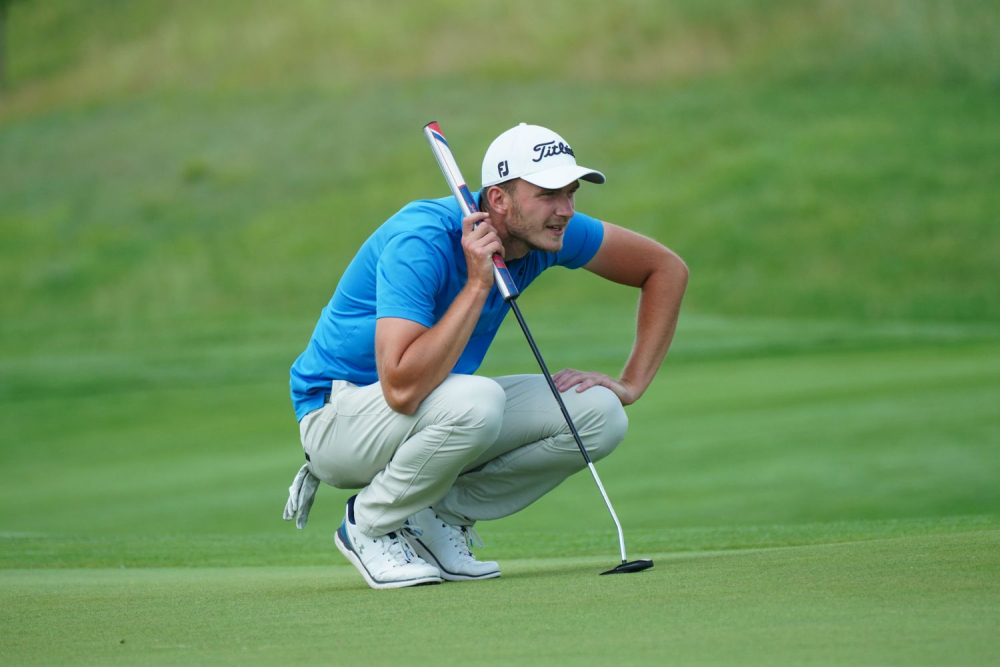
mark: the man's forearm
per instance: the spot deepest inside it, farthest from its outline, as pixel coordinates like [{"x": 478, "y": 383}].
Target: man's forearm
[
  {"x": 659, "y": 308},
  {"x": 428, "y": 359}
]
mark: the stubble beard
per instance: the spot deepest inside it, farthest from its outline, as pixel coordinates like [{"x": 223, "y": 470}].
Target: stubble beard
[{"x": 515, "y": 225}]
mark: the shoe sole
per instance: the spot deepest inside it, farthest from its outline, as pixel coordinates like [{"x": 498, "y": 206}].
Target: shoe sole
[
  {"x": 352, "y": 556},
  {"x": 426, "y": 554}
]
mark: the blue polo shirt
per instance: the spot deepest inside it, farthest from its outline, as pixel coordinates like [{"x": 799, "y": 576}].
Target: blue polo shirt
[{"x": 413, "y": 267}]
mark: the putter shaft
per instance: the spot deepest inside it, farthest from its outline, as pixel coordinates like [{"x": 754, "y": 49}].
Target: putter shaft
[{"x": 569, "y": 421}]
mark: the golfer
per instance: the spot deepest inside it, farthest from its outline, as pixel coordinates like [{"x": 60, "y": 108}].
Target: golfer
[{"x": 385, "y": 392}]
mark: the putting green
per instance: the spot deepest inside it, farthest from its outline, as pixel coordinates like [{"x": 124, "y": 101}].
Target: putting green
[{"x": 930, "y": 599}]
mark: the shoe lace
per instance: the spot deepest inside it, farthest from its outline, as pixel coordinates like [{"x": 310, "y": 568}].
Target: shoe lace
[
  {"x": 464, "y": 537},
  {"x": 396, "y": 547}
]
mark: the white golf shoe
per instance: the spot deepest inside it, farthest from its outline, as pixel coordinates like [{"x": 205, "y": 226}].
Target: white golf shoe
[
  {"x": 386, "y": 561},
  {"x": 447, "y": 547}
]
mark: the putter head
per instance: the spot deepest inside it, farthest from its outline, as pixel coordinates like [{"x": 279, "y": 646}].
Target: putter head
[{"x": 634, "y": 566}]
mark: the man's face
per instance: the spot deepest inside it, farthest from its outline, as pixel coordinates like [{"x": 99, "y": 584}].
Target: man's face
[{"x": 538, "y": 218}]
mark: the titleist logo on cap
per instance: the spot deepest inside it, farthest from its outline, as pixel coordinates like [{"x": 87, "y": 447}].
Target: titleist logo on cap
[
  {"x": 521, "y": 152},
  {"x": 551, "y": 149}
]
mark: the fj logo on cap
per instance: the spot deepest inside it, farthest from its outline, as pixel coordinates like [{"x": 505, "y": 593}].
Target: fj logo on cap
[
  {"x": 550, "y": 149},
  {"x": 535, "y": 154}
]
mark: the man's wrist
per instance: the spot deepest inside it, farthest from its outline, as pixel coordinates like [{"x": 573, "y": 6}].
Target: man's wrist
[
  {"x": 478, "y": 289},
  {"x": 631, "y": 390}
]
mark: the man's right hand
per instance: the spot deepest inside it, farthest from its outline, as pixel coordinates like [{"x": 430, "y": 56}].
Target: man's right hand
[{"x": 480, "y": 243}]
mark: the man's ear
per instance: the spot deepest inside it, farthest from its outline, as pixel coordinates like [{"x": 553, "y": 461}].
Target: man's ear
[{"x": 499, "y": 200}]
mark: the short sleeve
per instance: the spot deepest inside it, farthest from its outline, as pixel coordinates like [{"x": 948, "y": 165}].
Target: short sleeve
[{"x": 409, "y": 274}]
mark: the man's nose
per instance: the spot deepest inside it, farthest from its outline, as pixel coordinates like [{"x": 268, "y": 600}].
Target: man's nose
[{"x": 565, "y": 208}]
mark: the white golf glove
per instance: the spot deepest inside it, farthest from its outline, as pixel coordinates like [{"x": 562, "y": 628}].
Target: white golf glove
[{"x": 301, "y": 494}]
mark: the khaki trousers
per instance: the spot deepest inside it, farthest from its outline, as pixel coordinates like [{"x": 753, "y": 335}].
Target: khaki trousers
[{"x": 477, "y": 448}]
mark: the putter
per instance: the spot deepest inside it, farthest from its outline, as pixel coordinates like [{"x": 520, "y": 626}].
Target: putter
[{"x": 509, "y": 291}]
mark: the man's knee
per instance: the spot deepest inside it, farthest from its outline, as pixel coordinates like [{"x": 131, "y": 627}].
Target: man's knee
[
  {"x": 471, "y": 403},
  {"x": 605, "y": 422}
]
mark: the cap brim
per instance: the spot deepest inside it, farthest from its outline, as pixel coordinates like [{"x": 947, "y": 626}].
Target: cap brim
[{"x": 560, "y": 177}]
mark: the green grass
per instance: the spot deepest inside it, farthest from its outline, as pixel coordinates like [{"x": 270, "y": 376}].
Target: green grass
[
  {"x": 913, "y": 600},
  {"x": 744, "y": 439},
  {"x": 814, "y": 470},
  {"x": 811, "y": 494}
]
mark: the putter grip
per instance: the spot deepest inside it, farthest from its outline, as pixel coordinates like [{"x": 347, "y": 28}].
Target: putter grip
[{"x": 446, "y": 161}]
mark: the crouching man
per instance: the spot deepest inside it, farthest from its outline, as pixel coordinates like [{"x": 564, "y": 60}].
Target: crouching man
[{"x": 385, "y": 394}]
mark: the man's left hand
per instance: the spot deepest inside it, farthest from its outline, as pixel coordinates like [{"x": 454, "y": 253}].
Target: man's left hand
[{"x": 584, "y": 380}]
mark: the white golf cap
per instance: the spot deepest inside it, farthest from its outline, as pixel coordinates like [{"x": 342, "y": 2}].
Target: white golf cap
[{"x": 537, "y": 155}]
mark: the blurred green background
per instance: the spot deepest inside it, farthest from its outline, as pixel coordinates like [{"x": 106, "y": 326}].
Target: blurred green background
[{"x": 182, "y": 184}]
